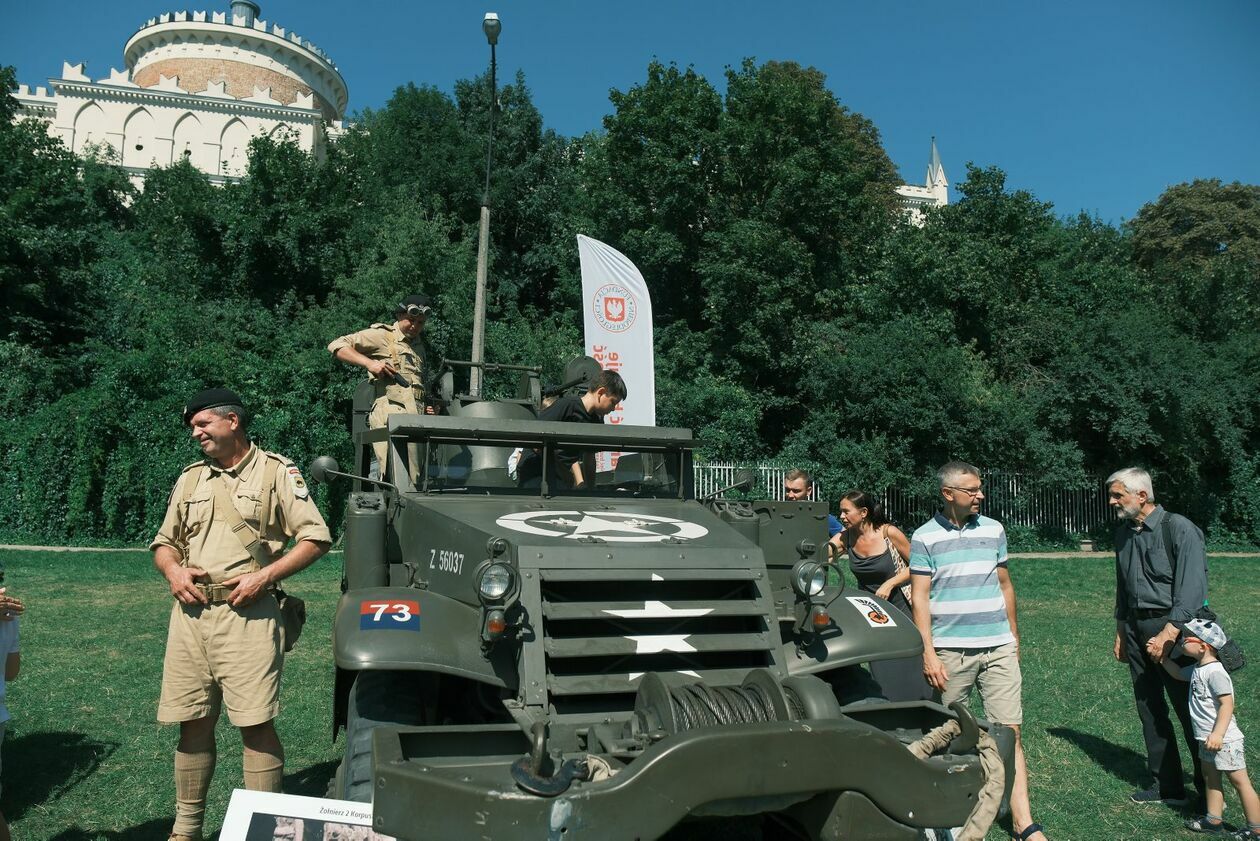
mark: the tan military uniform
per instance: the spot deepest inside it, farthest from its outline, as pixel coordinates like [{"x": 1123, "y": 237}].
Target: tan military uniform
[
  {"x": 218, "y": 653},
  {"x": 387, "y": 343}
]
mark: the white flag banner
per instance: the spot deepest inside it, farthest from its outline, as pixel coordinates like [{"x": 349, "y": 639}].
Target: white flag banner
[{"x": 618, "y": 326}]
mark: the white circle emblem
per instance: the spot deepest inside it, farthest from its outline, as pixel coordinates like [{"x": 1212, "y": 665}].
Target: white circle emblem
[
  {"x": 614, "y": 307},
  {"x": 605, "y": 525}
]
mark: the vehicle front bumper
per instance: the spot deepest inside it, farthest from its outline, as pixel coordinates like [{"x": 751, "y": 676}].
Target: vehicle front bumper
[{"x": 832, "y": 766}]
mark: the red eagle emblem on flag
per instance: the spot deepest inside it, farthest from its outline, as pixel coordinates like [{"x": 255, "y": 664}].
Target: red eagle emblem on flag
[{"x": 615, "y": 309}]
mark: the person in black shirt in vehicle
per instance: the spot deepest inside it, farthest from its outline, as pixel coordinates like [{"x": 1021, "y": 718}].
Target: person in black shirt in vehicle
[{"x": 575, "y": 469}]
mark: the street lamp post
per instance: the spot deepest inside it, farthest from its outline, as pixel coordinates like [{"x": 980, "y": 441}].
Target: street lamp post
[{"x": 492, "y": 27}]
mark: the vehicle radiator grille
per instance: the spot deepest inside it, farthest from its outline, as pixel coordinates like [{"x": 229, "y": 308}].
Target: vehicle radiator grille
[{"x": 604, "y": 629}]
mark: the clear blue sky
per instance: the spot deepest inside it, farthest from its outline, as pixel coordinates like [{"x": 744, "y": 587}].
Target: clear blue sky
[{"x": 1095, "y": 106}]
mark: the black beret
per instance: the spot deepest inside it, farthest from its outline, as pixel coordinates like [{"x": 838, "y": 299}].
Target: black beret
[
  {"x": 415, "y": 300},
  {"x": 210, "y": 398}
]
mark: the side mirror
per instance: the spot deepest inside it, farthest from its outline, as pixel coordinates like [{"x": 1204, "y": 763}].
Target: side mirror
[
  {"x": 323, "y": 468},
  {"x": 745, "y": 477}
]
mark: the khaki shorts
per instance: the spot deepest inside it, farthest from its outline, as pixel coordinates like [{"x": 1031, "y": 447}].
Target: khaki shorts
[
  {"x": 994, "y": 670},
  {"x": 221, "y": 655},
  {"x": 1229, "y": 758},
  {"x": 379, "y": 417}
]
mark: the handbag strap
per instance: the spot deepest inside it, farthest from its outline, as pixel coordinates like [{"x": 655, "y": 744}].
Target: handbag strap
[{"x": 892, "y": 550}]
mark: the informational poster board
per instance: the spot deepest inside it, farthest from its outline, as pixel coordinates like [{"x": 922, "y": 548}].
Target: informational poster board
[{"x": 263, "y": 816}]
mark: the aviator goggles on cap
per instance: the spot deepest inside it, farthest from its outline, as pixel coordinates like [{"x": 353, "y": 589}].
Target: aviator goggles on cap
[{"x": 414, "y": 310}]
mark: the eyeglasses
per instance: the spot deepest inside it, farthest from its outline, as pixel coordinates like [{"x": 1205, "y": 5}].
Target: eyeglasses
[{"x": 968, "y": 491}]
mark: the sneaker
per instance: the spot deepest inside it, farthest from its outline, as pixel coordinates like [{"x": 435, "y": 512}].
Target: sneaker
[
  {"x": 1202, "y": 824},
  {"x": 1152, "y": 795}
]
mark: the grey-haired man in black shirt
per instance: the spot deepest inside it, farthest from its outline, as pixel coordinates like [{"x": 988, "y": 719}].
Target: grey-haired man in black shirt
[{"x": 1156, "y": 587}]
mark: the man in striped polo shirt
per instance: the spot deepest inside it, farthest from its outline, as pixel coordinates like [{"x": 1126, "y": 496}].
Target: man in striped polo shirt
[{"x": 964, "y": 606}]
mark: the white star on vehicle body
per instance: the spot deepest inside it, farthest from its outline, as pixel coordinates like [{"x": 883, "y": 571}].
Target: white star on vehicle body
[
  {"x": 594, "y": 525},
  {"x": 607, "y": 526},
  {"x": 659, "y": 643},
  {"x": 659, "y": 610}
]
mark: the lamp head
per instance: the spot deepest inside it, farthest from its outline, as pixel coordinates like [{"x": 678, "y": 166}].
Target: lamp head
[{"x": 492, "y": 27}]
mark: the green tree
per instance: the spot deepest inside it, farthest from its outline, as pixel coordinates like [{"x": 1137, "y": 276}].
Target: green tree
[
  {"x": 1198, "y": 223},
  {"x": 652, "y": 181},
  {"x": 56, "y": 212},
  {"x": 1200, "y": 244}
]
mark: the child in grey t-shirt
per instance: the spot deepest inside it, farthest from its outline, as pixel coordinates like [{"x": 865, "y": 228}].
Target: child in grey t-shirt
[{"x": 1212, "y": 715}]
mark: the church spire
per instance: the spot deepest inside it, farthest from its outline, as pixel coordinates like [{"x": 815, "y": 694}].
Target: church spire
[
  {"x": 935, "y": 172},
  {"x": 936, "y": 180}
]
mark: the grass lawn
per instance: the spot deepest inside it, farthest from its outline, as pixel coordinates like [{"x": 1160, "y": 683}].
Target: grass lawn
[{"x": 85, "y": 759}]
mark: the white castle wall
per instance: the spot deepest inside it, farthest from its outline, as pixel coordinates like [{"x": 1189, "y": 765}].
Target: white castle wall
[{"x": 164, "y": 122}]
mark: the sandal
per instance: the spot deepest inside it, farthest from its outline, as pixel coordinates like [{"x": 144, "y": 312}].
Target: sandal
[
  {"x": 1029, "y": 831},
  {"x": 1203, "y": 824}
]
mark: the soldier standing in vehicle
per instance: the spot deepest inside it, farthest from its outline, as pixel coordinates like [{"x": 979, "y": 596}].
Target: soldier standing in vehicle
[
  {"x": 394, "y": 357},
  {"x": 224, "y": 644}
]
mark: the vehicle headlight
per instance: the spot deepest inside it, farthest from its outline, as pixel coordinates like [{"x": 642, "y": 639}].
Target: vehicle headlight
[
  {"x": 495, "y": 582},
  {"x": 809, "y": 578}
]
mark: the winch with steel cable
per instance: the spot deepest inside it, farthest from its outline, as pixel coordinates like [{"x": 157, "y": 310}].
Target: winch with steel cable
[{"x": 663, "y": 709}]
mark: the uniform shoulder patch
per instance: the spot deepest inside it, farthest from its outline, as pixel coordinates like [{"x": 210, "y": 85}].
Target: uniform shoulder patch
[{"x": 300, "y": 488}]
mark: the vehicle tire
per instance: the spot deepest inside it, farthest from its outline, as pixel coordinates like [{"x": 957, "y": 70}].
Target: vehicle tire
[
  {"x": 377, "y": 699},
  {"x": 854, "y": 685}
]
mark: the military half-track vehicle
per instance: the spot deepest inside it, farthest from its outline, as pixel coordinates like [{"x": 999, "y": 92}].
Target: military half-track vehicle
[{"x": 520, "y": 660}]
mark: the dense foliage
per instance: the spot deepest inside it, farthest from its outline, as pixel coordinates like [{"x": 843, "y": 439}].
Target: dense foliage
[{"x": 797, "y": 316}]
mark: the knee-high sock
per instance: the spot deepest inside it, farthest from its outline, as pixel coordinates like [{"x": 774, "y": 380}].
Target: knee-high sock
[
  {"x": 193, "y": 772},
  {"x": 263, "y": 771}
]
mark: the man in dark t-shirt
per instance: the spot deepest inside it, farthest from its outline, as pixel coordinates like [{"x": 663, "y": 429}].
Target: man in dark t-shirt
[{"x": 571, "y": 468}]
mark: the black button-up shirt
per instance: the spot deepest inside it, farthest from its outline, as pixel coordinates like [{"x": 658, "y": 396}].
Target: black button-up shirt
[{"x": 1145, "y": 575}]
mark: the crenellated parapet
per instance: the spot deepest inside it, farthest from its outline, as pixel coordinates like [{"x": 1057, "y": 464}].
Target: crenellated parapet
[
  {"x": 237, "y": 20},
  {"x": 37, "y": 102},
  {"x": 202, "y": 48}
]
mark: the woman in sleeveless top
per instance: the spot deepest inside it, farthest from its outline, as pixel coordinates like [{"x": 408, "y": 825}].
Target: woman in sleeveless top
[
  {"x": 868, "y": 536},
  {"x": 870, "y": 540}
]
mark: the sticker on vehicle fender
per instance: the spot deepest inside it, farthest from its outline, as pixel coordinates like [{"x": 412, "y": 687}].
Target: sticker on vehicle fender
[
  {"x": 872, "y": 611},
  {"x": 389, "y": 616}
]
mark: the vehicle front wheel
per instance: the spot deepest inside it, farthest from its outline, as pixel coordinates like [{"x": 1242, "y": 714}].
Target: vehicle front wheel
[{"x": 377, "y": 699}]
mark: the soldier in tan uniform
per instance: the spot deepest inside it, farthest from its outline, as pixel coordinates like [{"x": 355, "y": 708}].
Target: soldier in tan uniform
[
  {"x": 224, "y": 644},
  {"x": 390, "y": 352}
]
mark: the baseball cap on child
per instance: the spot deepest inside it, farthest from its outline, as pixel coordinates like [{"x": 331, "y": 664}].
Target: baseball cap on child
[{"x": 1208, "y": 631}]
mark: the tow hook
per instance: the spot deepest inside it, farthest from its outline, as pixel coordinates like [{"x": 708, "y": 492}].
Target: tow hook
[
  {"x": 965, "y": 741},
  {"x": 537, "y": 774}
]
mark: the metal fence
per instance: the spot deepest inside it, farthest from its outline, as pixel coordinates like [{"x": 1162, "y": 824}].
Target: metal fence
[
  {"x": 714, "y": 476},
  {"x": 1014, "y": 498}
]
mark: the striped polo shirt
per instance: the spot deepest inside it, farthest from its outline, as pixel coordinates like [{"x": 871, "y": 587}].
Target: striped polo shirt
[{"x": 968, "y": 610}]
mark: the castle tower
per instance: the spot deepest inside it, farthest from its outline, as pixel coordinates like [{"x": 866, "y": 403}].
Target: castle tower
[
  {"x": 197, "y": 86},
  {"x": 243, "y": 54}
]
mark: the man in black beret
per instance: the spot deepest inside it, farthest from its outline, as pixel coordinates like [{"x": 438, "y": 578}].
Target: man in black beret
[
  {"x": 221, "y": 548},
  {"x": 394, "y": 356}
]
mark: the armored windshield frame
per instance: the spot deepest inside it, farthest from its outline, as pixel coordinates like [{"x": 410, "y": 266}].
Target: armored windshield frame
[{"x": 427, "y": 431}]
